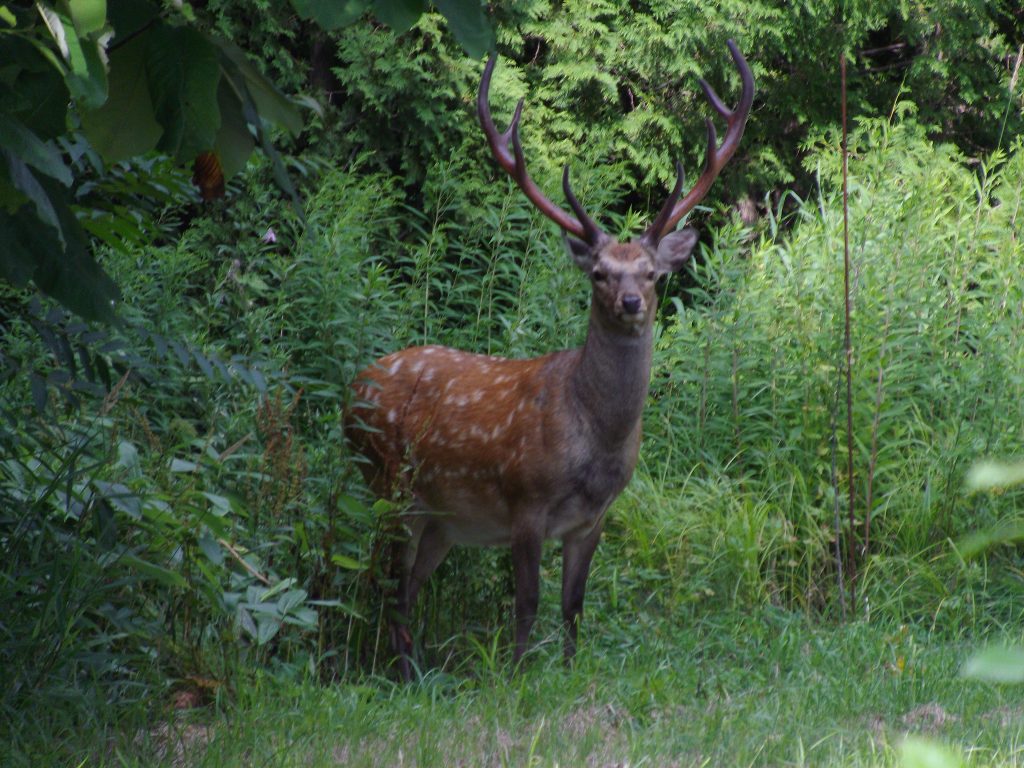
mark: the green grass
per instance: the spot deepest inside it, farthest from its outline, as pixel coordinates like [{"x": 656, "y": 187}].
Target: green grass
[{"x": 707, "y": 688}]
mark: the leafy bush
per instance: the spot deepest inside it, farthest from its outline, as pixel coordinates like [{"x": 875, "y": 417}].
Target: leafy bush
[
  {"x": 749, "y": 405},
  {"x": 619, "y": 81}
]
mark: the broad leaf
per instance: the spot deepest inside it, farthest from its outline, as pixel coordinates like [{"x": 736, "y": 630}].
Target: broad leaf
[
  {"x": 469, "y": 24},
  {"x": 991, "y": 475},
  {"x": 24, "y": 181},
  {"x": 917, "y": 752},
  {"x": 128, "y": 17},
  {"x": 125, "y": 126},
  {"x": 88, "y": 77},
  {"x": 331, "y": 14},
  {"x": 271, "y": 104},
  {"x": 267, "y": 628},
  {"x": 183, "y": 72},
  {"x": 23, "y": 143},
  {"x": 153, "y": 571},
  {"x": 211, "y": 548},
  {"x": 71, "y": 274},
  {"x": 36, "y": 94},
  {"x": 235, "y": 142},
  {"x": 996, "y": 665},
  {"x": 400, "y": 15},
  {"x": 17, "y": 257},
  {"x": 88, "y": 15}
]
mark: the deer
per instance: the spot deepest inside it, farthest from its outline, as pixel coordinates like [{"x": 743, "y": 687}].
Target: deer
[{"x": 503, "y": 452}]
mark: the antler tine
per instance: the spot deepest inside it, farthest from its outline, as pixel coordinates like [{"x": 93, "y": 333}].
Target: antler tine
[
  {"x": 716, "y": 102},
  {"x": 716, "y": 156},
  {"x": 658, "y": 225},
  {"x": 594, "y": 234},
  {"x": 514, "y": 164}
]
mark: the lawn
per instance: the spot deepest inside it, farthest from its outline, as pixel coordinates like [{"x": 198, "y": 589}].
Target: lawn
[{"x": 761, "y": 688}]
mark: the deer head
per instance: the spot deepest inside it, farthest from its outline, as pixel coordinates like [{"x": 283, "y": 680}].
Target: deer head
[{"x": 624, "y": 274}]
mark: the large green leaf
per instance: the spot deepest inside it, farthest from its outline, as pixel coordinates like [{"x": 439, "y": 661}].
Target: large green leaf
[
  {"x": 124, "y": 126},
  {"x": 153, "y": 571},
  {"x": 59, "y": 262},
  {"x": 400, "y": 15},
  {"x": 235, "y": 141},
  {"x": 88, "y": 15},
  {"x": 271, "y": 104},
  {"x": 88, "y": 78},
  {"x": 331, "y": 14},
  {"x": 469, "y": 25},
  {"x": 183, "y": 72},
  {"x": 128, "y": 17},
  {"x": 21, "y": 178},
  {"x": 32, "y": 88},
  {"x": 996, "y": 665},
  {"x": 68, "y": 272},
  {"x": 17, "y": 139},
  {"x": 17, "y": 257}
]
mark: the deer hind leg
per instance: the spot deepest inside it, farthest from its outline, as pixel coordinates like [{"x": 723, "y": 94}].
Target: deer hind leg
[
  {"x": 577, "y": 552},
  {"x": 424, "y": 551}
]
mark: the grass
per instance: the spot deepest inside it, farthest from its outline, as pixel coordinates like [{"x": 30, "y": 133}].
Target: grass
[{"x": 707, "y": 688}]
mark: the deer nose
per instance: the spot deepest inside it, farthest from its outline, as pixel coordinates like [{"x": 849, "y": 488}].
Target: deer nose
[{"x": 632, "y": 304}]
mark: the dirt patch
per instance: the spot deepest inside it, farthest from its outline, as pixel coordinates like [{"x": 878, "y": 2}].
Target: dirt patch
[
  {"x": 181, "y": 743},
  {"x": 604, "y": 717},
  {"x": 1005, "y": 716},
  {"x": 928, "y": 718}
]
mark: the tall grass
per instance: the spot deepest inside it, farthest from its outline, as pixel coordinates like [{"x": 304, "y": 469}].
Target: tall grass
[{"x": 746, "y": 389}]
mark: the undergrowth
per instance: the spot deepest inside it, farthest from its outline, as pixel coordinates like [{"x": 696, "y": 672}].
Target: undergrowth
[{"x": 180, "y": 509}]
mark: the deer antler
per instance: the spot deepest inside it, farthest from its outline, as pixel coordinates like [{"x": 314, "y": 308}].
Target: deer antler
[
  {"x": 514, "y": 164},
  {"x": 717, "y": 156}
]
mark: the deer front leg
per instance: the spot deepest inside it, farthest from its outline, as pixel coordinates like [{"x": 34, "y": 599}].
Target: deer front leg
[
  {"x": 423, "y": 553},
  {"x": 398, "y": 618},
  {"x": 577, "y": 552},
  {"x": 526, "y": 549}
]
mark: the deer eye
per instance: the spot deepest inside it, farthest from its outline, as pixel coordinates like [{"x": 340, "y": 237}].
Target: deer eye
[
  {"x": 598, "y": 276},
  {"x": 651, "y": 276}
]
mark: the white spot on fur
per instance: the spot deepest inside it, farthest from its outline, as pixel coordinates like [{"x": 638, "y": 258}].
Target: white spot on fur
[
  {"x": 392, "y": 416},
  {"x": 395, "y": 367}
]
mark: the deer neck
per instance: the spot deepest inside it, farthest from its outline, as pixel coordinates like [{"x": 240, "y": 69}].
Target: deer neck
[{"x": 612, "y": 378}]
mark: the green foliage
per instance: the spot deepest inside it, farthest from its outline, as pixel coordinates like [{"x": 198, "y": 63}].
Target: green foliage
[
  {"x": 131, "y": 81},
  {"x": 749, "y": 393},
  {"x": 466, "y": 18},
  {"x": 620, "y": 82},
  {"x": 178, "y": 508}
]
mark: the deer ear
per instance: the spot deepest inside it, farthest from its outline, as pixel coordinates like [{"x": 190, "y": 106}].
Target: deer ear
[
  {"x": 674, "y": 250},
  {"x": 582, "y": 254}
]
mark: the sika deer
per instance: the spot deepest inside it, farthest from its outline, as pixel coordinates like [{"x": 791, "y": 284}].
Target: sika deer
[{"x": 499, "y": 452}]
